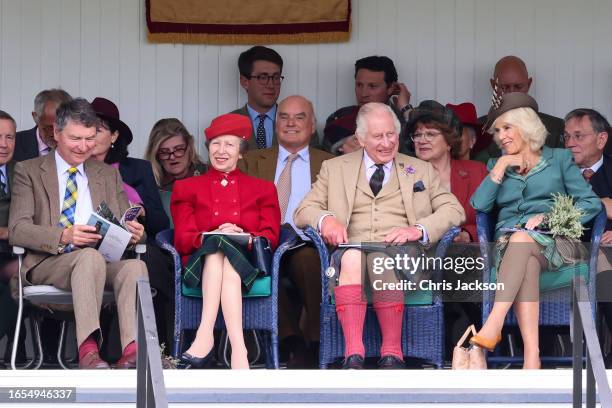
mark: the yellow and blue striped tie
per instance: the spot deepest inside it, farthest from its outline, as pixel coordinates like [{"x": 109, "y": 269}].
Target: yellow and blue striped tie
[{"x": 69, "y": 205}]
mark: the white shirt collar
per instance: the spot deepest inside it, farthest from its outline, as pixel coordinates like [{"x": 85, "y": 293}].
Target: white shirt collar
[
  {"x": 283, "y": 153},
  {"x": 62, "y": 166},
  {"x": 370, "y": 163},
  {"x": 595, "y": 166},
  {"x": 271, "y": 114},
  {"x": 42, "y": 146}
]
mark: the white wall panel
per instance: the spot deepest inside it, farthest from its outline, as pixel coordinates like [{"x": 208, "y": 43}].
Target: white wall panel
[{"x": 443, "y": 49}]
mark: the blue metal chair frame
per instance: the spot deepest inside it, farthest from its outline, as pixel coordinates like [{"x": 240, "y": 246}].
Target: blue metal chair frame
[
  {"x": 257, "y": 313},
  {"x": 555, "y": 305},
  {"x": 423, "y": 326}
]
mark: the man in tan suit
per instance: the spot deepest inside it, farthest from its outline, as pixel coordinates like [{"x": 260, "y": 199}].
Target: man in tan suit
[
  {"x": 53, "y": 197},
  {"x": 375, "y": 194},
  {"x": 295, "y": 124}
]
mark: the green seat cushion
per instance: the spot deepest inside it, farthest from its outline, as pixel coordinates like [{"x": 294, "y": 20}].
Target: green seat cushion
[
  {"x": 262, "y": 287},
  {"x": 562, "y": 277}
]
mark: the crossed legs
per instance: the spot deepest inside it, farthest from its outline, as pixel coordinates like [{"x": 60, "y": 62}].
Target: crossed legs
[
  {"x": 221, "y": 285},
  {"x": 519, "y": 271}
]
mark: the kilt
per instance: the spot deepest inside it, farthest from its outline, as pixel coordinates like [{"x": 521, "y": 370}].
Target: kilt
[{"x": 236, "y": 254}]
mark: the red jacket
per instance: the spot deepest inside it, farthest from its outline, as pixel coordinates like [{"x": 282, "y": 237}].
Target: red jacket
[
  {"x": 466, "y": 176},
  {"x": 202, "y": 203}
]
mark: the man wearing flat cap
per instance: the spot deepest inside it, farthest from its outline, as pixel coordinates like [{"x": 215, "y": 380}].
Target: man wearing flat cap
[{"x": 375, "y": 194}]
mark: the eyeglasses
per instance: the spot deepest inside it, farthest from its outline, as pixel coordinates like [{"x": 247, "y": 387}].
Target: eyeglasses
[
  {"x": 264, "y": 79},
  {"x": 578, "y": 137},
  {"x": 428, "y": 136},
  {"x": 165, "y": 154}
]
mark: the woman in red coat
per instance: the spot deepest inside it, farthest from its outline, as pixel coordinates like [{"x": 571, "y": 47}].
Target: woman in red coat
[
  {"x": 436, "y": 132},
  {"x": 228, "y": 201}
]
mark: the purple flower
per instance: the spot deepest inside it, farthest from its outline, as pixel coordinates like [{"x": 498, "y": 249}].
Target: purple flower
[{"x": 409, "y": 170}]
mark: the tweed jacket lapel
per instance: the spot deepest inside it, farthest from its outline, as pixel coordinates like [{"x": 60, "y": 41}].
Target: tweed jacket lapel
[
  {"x": 48, "y": 178},
  {"x": 350, "y": 174},
  {"x": 405, "y": 177},
  {"x": 267, "y": 163},
  {"x": 96, "y": 184}
]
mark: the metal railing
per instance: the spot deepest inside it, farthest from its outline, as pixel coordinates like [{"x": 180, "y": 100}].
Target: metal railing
[
  {"x": 150, "y": 388},
  {"x": 584, "y": 324}
]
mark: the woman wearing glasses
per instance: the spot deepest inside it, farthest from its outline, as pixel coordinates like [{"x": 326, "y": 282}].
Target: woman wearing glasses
[
  {"x": 171, "y": 151},
  {"x": 223, "y": 200},
  {"x": 436, "y": 133}
]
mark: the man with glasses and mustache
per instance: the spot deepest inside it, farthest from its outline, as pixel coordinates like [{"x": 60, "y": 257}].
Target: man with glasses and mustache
[
  {"x": 261, "y": 71},
  {"x": 586, "y": 135}
]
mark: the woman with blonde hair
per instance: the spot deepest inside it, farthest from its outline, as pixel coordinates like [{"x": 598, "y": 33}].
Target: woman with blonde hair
[
  {"x": 172, "y": 153},
  {"x": 521, "y": 186}
]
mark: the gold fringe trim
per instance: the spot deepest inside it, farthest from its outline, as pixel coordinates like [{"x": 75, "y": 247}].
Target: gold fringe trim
[{"x": 248, "y": 39}]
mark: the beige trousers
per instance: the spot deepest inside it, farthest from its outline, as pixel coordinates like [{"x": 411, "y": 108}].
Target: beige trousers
[{"x": 86, "y": 273}]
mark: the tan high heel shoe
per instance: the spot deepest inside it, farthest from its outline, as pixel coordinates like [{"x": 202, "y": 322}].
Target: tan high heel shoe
[{"x": 488, "y": 344}]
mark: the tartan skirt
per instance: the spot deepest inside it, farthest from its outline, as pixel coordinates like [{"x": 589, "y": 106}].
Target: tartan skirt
[{"x": 236, "y": 254}]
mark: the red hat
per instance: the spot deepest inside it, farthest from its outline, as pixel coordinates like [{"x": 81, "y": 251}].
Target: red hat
[
  {"x": 466, "y": 112},
  {"x": 230, "y": 124}
]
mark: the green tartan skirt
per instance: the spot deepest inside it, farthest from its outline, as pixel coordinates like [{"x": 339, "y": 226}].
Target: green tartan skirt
[{"x": 237, "y": 256}]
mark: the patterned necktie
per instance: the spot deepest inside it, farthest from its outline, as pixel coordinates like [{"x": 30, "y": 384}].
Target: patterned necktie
[
  {"x": 376, "y": 181},
  {"x": 3, "y": 192},
  {"x": 70, "y": 198},
  {"x": 587, "y": 174},
  {"x": 283, "y": 185},
  {"x": 261, "y": 132}
]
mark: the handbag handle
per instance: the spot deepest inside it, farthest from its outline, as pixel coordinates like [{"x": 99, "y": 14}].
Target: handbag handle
[{"x": 471, "y": 329}]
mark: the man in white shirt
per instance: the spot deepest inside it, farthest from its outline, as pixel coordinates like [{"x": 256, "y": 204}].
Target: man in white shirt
[
  {"x": 375, "y": 194},
  {"x": 52, "y": 199}
]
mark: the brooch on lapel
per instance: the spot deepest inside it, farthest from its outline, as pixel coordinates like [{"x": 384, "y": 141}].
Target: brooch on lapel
[
  {"x": 418, "y": 186},
  {"x": 408, "y": 169},
  {"x": 224, "y": 182},
  {"x": 462, "y": 173}
]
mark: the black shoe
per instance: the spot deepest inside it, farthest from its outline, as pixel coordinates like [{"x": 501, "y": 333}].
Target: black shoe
[
  {"x": 391, "y": 363},
  {"x": 189, "y": 361},
  {"x": 353, "y": 362}
]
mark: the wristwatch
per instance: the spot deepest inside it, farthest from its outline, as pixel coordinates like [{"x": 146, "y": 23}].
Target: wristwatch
[{"x": 406, "y": 108}]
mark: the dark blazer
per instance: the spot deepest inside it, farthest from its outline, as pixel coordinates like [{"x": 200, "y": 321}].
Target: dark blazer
[
  {"x": 602, "y": 182},
  {"x": 5, "y": 203},
  {"x": 262, "y": 163},
  {"x": 138, "y": 174},
  {"x": 26, "y": 145},
  {"x": 202, "y": 203},
  {"x": 466, "y": 176}
]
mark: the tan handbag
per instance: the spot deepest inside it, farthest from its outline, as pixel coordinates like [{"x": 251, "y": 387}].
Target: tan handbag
[{"x": 468, "y": 358}]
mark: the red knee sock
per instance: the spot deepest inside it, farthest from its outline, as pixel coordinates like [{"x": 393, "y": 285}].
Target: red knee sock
[
  {"x": 351, "y": 309},
  {"x": 130, "y": 348},
  {"x": 390, "y": 316},
  {"x": 90, "y": 344}
]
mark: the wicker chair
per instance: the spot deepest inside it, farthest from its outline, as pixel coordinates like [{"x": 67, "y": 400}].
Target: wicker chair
[
  {"x": 555, "y": 304},
  {"x": 423, "y": 325},
  {"x": 258, "y": 313}
]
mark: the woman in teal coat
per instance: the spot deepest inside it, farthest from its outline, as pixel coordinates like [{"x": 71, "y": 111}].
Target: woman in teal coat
[{"x": 520, "y": 186}]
